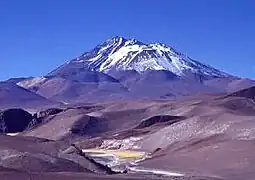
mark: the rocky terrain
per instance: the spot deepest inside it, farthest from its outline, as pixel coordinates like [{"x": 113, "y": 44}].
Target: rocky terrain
[{"x": 198, "y": 138}]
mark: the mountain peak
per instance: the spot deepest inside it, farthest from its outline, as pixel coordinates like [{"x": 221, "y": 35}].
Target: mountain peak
[
  {"x": 121, "y": 54},
  {"x": 116, "y": 39},
  {"x": 124, "y": 40}
]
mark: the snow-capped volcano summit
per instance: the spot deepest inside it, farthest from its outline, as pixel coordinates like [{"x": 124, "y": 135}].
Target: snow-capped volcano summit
[
  {"x": 120, "y": 54},
  {"x": 121, "y": 68}
]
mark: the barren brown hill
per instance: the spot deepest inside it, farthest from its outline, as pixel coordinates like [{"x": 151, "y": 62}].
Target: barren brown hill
[
  {"x": 248, "y": 93},
  {"x": 14, "y": 96}
]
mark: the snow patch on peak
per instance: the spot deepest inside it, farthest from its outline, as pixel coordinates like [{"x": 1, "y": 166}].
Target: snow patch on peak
[{"x": 116, "y": 38}]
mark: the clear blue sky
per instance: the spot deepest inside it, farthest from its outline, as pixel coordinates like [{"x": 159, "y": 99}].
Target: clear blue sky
[{"x": 39, "y": 35}]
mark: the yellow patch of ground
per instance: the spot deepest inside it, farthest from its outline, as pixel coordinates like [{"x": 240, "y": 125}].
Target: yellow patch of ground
[{"x": 121, "y": 154}]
